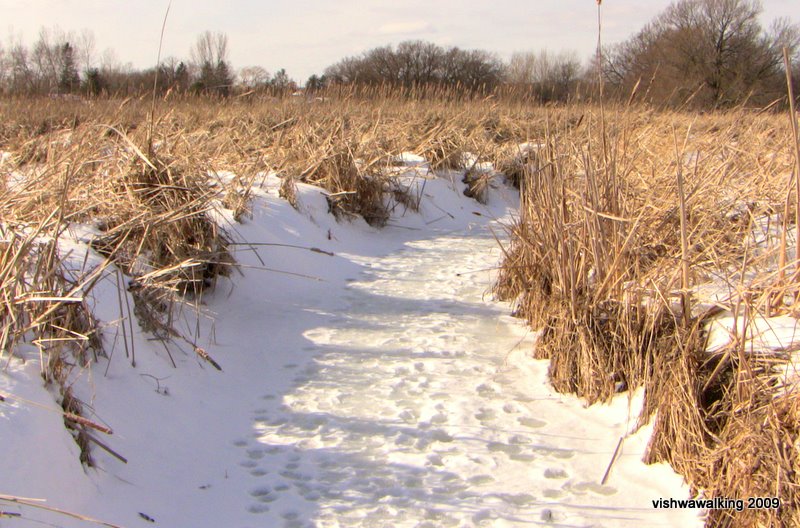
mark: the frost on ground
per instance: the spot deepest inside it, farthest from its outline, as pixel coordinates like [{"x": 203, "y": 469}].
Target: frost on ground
[{"x": 368, "y": 382}]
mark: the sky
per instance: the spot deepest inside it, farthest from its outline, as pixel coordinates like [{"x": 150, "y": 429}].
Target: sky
[{"x": 305, "y": 36}]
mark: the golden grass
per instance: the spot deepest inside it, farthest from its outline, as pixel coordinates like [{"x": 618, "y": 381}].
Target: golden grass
[
  {"x": 621, "y": 217},
  {"x": 93, "y": 162},
  {"x": 620, "y": 220}
]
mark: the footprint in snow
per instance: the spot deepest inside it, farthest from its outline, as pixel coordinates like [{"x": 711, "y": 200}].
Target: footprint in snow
[
  {"x": 477, "y": 480},
  {"x": 291, "y": 474},
  {"x": 523, "y": 457},
  {"x": 409, "y": 416},
  {"x": 499, "y": 447},
  {"x": 258, "y": 508},
  {"x": 404, "y": 440},
  {"x": 439, "y": 435},
  {"x": 553, "y": 493},
  {"x": 261, "y": 491},
  {"x": 435, "y": 460},
  {"x": 518, "y": 499},
  {"x": 485, "y": 415},
  {"x": 533, "y": 423},
  {"x": 548, "y": 516},
  {"x": 486, "y": 391},
  {"x": 438, "y": 419},
  {"x": 312, "y": 496},
  {"x": 255, "y": 454},
  {"x": 555, "y": 473}
]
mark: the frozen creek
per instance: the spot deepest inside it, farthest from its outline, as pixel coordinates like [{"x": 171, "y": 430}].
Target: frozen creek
[
  {"x": 370, "y": 383},
  {"x": 421, "y": 407}
]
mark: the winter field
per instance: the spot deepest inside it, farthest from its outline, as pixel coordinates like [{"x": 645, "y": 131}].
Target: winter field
[{"x": 385, "y": 312}]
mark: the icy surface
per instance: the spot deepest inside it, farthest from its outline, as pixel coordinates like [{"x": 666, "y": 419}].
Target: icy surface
[
  {"x": 377, "y": 387},
  {"x": 413, "y": 413}
]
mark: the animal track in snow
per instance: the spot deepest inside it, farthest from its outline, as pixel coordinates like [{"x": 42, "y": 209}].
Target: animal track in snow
[
  {"x": 555, "y": 473},
  {"x": 408, "y": 414}
]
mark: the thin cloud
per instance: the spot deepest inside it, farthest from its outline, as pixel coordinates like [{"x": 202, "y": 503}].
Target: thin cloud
[{"x": 415, "y": 27}]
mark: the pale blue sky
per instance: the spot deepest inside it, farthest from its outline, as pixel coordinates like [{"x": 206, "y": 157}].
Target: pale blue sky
[{"x": 304, "y": 36}]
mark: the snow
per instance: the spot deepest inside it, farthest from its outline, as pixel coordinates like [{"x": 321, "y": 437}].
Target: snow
[
  {"x": 753, "y": 331},
  {"x": 14, "y": 180},
  {"x": 377, "y": 386},
  {"x": 409, "y": 159},
  {"x": 473, "y": 163},
  {"x": 761, "y": 334}
]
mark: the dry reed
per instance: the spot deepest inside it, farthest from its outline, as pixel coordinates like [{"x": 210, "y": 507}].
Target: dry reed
[
  {"x": 598, "y": 259},
  {"x": 621, "y": 220}
]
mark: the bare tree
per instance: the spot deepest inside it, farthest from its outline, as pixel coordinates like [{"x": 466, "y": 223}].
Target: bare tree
[
  {"x": 418, "y": 63},
  {"x": 20, "y": 75},
  {"x": 210, "y": 55},
  {"x": 85, "y": 49},
  {"x": 109, "y": 60},
  {"x": 55, "y": 60},
  {"x": 45, "y": 56},
  {"x": 714, "y": 50},
  {"x": 549, "y": 76},
  {"x": 210, "y": 48},
  {"x": 345, "y": 71},
  {"x": 5, "y": 63},
  {"x": 252, "y": 77},
  {"x": 478, "y": 70},
  {"x": 379, "y": 66}
]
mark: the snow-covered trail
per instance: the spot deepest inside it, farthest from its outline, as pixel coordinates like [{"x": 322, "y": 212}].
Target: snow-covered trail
[
  {"x": 420, "y": 408},
  {"x": 370, "y": 383}
]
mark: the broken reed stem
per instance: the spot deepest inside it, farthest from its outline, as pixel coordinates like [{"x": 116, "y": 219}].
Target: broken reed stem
[
  {"x": 614, "y": 457},
  {"x": 122, "y": 316},
  {"x": 105, "y": 447},
  {"x": 151, "y": 124},
  {"x": 787, "y": 63},
  {"x": 72, "y": 417},
  {"x": 601, "y": 88},
  {"x": 38, "y": 504},
  {"x": 685, "y": 293},
  {"x": 5, "y": 397},
  {"x": 776, "y": 299}
]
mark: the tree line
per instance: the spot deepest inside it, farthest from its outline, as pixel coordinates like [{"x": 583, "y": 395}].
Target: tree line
[
  {"x": 710, "y": 53},
  {"x": 419, "y": 63},
  {"x": 66, "y": 63}
]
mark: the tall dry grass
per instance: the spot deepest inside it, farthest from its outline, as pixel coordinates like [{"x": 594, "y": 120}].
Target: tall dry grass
[
  {"x": 44, "y": 308},
  {"x": 621, "y": 220},
  {"x": 147, "y": 196}
]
